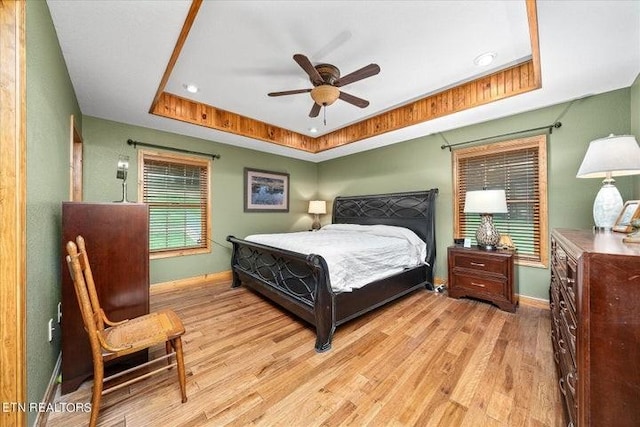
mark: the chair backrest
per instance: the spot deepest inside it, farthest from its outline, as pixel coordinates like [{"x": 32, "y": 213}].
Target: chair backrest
[{"x": 86, "y": 294}]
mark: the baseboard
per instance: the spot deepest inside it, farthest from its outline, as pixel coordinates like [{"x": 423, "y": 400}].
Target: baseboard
[
  {"x": 226, "y": 276},
  {"x": 522, "y": 299},
  {"x": 533, "y": 302},
  {"x": 212, "y": 278},
  {"x": 49, "y": 394}
]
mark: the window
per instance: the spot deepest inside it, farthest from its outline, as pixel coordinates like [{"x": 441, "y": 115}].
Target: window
[
  {"x": 520, "y": 168},
  {"x": 177, "y": 190}
]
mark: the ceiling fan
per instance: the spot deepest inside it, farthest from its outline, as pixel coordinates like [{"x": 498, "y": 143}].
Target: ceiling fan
[{"x": 326, "y": 80}]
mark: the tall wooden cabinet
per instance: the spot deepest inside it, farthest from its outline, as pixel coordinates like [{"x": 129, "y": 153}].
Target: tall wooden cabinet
[
  {"x": 595, "y": 328},
  {"x": 117, "y": 239}
]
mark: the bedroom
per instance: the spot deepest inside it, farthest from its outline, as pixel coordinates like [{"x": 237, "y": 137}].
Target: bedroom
[{"x": 415, "y": 164}]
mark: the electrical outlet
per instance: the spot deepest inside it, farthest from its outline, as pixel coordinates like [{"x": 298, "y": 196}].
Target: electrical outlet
[
  {"x": 59, "y": 312},
  {"x": 50, "y": 330}
]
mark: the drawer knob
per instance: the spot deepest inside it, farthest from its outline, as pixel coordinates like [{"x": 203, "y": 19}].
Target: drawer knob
[{"x": 477, "y": 264}]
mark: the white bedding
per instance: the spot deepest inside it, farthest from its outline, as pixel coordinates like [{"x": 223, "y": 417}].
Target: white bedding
[{"x": 355, "y": 254}]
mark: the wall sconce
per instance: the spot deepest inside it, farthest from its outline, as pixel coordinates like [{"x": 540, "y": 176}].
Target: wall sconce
[
  {"x": 606, "y": 158},
  {"x": 486, "y": 203},
  {"x": 121, "y": 173},
  {"x": 317, "y": 208}
]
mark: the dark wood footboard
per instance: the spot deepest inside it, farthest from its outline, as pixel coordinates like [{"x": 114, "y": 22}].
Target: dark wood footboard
[{"x": 297, "y": 282}]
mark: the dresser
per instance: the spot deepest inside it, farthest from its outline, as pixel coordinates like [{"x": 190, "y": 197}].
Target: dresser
[
  {"x": 117, "y": 238},
  {"x": 482, "y": 274},
  {"x": 595, "y": 327}
]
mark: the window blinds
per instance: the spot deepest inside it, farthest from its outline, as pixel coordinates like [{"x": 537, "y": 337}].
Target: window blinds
[
  {"x": 177, "y": 194},
  {"x": 516, "y": 170}
]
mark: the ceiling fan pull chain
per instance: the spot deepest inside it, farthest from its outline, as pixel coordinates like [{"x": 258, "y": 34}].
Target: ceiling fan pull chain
[{"x": 325, "y": 114}]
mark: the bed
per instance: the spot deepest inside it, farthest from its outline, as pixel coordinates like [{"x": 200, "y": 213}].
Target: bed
[{"x": 300, "y": 283}]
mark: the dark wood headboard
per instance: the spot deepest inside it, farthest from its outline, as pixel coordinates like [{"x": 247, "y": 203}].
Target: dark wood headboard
[{"x": 414, "y": 210}]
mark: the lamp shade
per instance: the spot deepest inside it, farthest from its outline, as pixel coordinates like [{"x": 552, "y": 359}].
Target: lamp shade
[
  {"x": 123, "y": 167},
  {"x": 317, "y": 207},
  {"x": 618, "y": 155},
  {"x": 485, "y": 201}
]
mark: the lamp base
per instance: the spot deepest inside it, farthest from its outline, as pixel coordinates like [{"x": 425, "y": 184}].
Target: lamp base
[
  {"x": 316, "y": 223},
  {"x": 124, "y": 193},
  {"x": 487, "y": 236},
  {"x": 607, "y": 205},
  {"x": 487, "y": 247}
]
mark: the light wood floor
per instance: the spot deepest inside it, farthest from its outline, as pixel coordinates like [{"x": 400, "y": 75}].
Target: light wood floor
[{"x": 424, "y": 360}]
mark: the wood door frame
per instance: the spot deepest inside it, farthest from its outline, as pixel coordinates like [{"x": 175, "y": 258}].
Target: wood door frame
[
  {"x": 13, "y": 210},
  {"x": 75, "y": 162}
]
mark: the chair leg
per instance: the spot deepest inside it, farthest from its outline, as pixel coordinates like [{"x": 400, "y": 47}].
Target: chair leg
[
  {"x": 167, "y": 347},
  {"x": 98, "y": 377},
  {"x": 177, "y": 345}
]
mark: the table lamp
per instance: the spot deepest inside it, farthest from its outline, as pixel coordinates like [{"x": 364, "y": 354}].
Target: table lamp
[
  {"x": 486, "y": 203},
  {"x": 121, "y": 173},
  {"x": 317, "y": 207},
  {"x": 615, "y": 155}
]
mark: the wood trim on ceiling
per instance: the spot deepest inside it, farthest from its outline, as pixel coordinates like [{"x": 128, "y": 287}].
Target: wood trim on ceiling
[
  {"x": 186, "y": 27},
  {"x": 511, "y": 81}
]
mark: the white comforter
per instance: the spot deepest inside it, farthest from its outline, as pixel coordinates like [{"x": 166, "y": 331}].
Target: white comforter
[{"x": 355, "y": 254}]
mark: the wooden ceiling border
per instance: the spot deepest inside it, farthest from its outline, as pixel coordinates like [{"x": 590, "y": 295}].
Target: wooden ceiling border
[
  {"x": 511, "y": 81},
  {"x": 183, "y": 109},
  {"x": 186, "y": 27},
  {"x": 532, "y": 18}
]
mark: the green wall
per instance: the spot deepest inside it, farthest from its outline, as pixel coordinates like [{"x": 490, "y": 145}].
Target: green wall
[
  {"x": 106, "y": 140},
  {"x": 422, "y": 164},
  {"x": 50, "y": 102}
]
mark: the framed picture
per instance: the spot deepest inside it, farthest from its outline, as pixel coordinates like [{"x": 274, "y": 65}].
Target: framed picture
[
  {"x": 265, "y": 191},
  {"x": 630, "y": 211}
]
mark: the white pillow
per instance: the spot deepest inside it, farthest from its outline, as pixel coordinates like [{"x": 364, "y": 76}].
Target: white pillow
[{"x": 386, "y": 231}]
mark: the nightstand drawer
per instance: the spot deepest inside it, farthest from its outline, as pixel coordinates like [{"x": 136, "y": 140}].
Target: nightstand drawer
[
  {"x": 480, "y": 284},
  {"x": 480, "y": 263}
]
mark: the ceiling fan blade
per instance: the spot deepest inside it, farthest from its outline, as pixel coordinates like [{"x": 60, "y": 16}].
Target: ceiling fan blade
[
  {"x": 362, "y": 73},
  {"x": 358, "y": 102},
  {"x": 308, "y": 67},
  {"x": 289, "y": 92},
  {"x": 315, "y": 110}
]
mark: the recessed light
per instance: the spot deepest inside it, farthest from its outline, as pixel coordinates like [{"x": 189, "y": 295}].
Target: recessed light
[
  {"x": 313, "y": 130},
  {"x": 485, "y": 59},
  {"x": 191, "y": 88}
]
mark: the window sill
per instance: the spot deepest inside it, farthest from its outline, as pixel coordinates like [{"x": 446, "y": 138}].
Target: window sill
[{"x": 179, "y": 252}]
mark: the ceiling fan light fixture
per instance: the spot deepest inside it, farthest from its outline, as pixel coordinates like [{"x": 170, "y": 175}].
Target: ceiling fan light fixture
[{"x": 325, "y": 94}]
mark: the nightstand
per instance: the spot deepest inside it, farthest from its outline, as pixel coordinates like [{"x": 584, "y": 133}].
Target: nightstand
[{"x": 482, "y": 274}]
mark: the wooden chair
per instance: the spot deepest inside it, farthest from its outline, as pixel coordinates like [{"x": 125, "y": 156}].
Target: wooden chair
[{"x": 121, "y": 338}]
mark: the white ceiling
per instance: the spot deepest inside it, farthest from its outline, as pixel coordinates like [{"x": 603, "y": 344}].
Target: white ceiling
[{"x": 238, "y": 51}]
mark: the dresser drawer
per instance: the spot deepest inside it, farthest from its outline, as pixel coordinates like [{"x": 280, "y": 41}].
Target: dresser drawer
[
  {"x": 486, "y": 264},
  {"x": 567, "y": 322},
  {"x": 567, "y": 379},
  {"x": 570, "y": 283}
]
